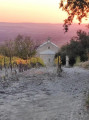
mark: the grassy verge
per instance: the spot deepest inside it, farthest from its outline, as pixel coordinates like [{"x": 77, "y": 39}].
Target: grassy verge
[{"x": 83, "y": 64}]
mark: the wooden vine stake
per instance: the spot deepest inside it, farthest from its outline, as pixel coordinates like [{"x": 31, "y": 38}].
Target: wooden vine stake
[{"x": 59, "y": 69}]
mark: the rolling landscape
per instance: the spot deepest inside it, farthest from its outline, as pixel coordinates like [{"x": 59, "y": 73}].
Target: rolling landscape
[
  {"x": 40, "y": 79},
  {"x": 39, "y": 32}
]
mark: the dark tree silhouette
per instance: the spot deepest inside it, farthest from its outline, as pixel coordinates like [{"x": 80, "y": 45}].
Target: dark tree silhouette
[
  {"x": 78, "y": 8},
  {"x": 78, "y": 47}
]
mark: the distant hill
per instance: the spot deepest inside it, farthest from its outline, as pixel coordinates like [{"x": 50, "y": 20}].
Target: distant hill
[{"x": 39, "y": 32}]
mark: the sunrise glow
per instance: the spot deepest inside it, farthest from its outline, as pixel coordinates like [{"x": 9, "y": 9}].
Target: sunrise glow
[{"x": 35, "y": 11}]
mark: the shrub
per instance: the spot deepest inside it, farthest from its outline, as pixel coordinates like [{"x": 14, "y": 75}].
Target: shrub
[
  {"x": 77, "y": 60},
  {"x": 35, "y": 60},
  {"x": 40, "y": 61},
  {"x": 16, "y": 60},
  {"x": 78, "y": 46}
]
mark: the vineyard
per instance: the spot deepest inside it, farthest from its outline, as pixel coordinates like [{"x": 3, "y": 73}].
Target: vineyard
[
  {"x": 15, "y": 62},
  {"x": 10, "y": 68},
  {"x": 18, "y": 55}
]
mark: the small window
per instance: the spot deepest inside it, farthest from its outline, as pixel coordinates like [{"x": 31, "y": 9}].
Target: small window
[
  {"x": 49, "y": 59},
  {"x": 48, "y": 47}
]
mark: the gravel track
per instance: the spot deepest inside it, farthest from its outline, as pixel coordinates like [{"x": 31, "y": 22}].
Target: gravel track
[{"x": 39, "y": 94}]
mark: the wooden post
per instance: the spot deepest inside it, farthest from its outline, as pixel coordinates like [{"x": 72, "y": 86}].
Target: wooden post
[
  {"x": 6, "y": 72},
  {"x": 58, "y": 61},
  {"x": 11, "y": 63},
  {"x": 27, "y": 63},
  {"x": 4, "y": 63},
  {"x": 59, "y": 70}
]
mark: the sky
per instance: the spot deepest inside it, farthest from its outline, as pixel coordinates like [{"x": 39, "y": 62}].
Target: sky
[{"x": 34, "y": 11}]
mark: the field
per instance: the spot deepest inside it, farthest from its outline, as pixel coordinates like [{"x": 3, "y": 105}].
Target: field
[{"x": 40, "y": 94}]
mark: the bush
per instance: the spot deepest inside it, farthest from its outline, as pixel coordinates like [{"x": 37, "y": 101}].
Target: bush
[
  {"x": 40, "y": 61},
  {"x": 78, "y": 46},
  {"x": 77, "y": 60},
  {"x": 16, "y": 61}
]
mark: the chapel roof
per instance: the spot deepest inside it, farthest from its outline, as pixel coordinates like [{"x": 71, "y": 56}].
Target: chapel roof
[
  {"x": 47, "y": 52},
  {"x": 47, "y": 43}
]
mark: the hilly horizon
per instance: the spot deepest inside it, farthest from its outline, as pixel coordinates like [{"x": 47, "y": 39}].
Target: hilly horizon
[{"x": 39, "y": 32}]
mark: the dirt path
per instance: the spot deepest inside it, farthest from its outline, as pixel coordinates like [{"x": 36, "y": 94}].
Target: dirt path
[{"x": 39, "y": 94}]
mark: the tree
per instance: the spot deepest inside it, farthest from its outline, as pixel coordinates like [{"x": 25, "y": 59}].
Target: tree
[
  {"x": 24, "y": 47},
  {"x": 7, "y": 49},
  {"x": 78, "y": 8},
  {"x": 78, "y": 47}
]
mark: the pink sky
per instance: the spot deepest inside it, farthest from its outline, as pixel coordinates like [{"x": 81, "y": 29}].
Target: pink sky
[{"x": 35, "y": 11}]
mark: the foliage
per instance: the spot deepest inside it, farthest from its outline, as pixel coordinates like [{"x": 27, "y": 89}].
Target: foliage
[
  {"x": 56, "y": 60},
  {"x": 77, "y": 60},
  {"x": 7, "y": 49},
  {"x": 1, "y": 59},
  {"x": 40, "y": 61},
  {"x": 35, "y": 60},
  {"x": 17, "y": 61},
  {"x": 24, "y": 50},
  {"x": 78, "y": 46},
  {"x": 83, "y": 64},
  {"x": 24, "y": 47},
  {"x": 78, "y": 8},
  {"x": 4, "y": 60}
]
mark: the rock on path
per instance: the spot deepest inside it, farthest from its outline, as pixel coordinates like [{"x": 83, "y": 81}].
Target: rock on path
[{"x": 39, "y": 94}]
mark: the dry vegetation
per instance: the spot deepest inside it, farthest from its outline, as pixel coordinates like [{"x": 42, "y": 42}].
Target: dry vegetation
[{"x": 84, "y": 64}]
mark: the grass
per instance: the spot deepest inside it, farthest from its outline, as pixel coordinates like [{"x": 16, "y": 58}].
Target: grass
[
  {"x": 84, "y": 64},
  {"x": 87, "y": 102}
]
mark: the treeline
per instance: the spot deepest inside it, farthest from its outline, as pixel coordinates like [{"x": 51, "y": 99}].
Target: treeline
[
  {"x": 20, "y": 51},
  {"x": 21, "y": 47},
  {"x": 78, "y": 48}
]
